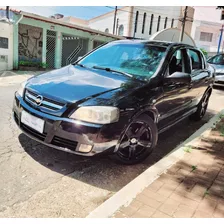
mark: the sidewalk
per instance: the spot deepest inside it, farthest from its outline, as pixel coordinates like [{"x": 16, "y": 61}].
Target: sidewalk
[
  {"x": 193, "y": 187},
  {"x": 15, "y": 77}
]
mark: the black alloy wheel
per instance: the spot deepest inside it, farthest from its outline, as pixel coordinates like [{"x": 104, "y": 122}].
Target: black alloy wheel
[
  {"x": 138, "y": 141},
  {"x": 202, "y": 108}
]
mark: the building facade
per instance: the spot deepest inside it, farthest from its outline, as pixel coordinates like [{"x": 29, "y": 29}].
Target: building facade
[
  {"x": 138, "y": 21},
  {"x": 6, "y": 41},
  {"x": 142, "y": 22},
  {"x": 206, "y": 29},
  {"x": 30, "y": 39}
]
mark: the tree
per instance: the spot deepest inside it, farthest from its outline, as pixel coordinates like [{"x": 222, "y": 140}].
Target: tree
[{"x": 204, "y": 52}]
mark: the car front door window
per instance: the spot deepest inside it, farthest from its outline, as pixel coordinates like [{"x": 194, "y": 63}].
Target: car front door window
[{"x": 176, "y": 63}]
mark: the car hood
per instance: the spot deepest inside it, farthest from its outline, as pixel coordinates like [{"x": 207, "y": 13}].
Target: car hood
[
  {"x": 218, "y": 68},
  {"x": 73, "y": 83}
]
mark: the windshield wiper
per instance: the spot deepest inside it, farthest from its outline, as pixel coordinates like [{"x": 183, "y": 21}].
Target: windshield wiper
[
  {"x": 112, "y": 70},
  {"x": 80, "y": 65}
]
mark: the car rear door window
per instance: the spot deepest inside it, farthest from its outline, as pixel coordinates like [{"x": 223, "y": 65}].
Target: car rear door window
[{"x": 196, "y": 61}]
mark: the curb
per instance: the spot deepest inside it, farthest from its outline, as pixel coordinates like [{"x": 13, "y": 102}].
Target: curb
[{"x": 136, "y": 186}]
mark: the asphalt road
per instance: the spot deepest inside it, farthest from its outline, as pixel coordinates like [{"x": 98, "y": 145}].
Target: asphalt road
[{"x": 38, "y": 181}]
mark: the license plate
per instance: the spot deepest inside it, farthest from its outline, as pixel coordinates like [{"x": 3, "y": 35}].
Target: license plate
[{"x": 32, "y": 121}]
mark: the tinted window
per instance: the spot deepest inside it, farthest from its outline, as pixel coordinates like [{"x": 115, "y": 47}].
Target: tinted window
[
  {"x": 195, "y": 59},
  {"x": 136, "y": 59},
  {"x": 219, "y": 60}
]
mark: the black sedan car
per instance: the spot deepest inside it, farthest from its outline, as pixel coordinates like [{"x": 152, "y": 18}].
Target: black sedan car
[{"x": 116, "y": 99}]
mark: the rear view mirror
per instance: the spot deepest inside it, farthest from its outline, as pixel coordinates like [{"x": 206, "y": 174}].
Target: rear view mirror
[{"x": 178, "y": 77}]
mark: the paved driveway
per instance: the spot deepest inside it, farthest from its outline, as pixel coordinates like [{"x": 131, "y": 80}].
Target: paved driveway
[{"x": 38, "y": 181}]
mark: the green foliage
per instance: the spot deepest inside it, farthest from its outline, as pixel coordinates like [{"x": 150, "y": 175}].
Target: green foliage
[
  {"x": 221, "y": 130},
  {"x": 33, "y": 64},
  {"x": 194, "y": 168},
  {"x": 206, "y": 193},
  {"x": 188, "y": 149},
  {"x": 204, "y": 52},
  {"x": 221, "y": 116}
]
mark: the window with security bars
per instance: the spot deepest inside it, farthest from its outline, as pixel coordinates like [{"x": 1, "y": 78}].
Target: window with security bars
[
  {"x": 204, "y": 36},
  {"x": 50, "y": 48}
]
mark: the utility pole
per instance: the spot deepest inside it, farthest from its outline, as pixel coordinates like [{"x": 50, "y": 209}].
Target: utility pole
[
  {"x": 115, "y": 15},
  {"x": 220, "y": 39},
  {"x": 7, "y": 12},
  {"x": 183, "y": 24},
  {"x": 117, "y": 26}
]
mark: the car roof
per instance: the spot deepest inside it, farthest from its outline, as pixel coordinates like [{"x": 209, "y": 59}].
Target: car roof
[{"x": 154, "y": 42}]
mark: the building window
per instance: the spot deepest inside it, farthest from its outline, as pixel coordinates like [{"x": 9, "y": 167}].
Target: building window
[
  {"x": 172, "y": 23},
  {"x": 151, "y": 23},
  {"x": 158, "y": 23},
  {"x": 4, "y": 42},
  {"x": 136, "y": 21},
  {"x": 165, "y": 23},
  {"x": 206, "y": 36},
  {"x": 143, "y": 24},
  {"x": 121, "y": 30},
  {"x": 106, "y": 30}
]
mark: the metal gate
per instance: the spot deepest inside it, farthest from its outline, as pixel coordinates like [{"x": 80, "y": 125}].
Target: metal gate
[
  {"x": 50, "y": 48},
  {"x": 72, "y": 48}
]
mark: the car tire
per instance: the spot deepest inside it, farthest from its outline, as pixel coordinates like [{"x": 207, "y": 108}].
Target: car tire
[
  {"x": 137, "y": 141},
  {"x": 202, "y": 107}
]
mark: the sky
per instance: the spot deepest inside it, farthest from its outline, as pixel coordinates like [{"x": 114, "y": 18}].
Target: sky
[{"x": 83, "y": 12}]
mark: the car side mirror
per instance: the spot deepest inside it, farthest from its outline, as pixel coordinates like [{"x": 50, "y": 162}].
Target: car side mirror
[{"x": 178, "y": 77}]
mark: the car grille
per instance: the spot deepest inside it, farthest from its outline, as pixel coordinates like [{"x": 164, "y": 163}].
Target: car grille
[
  {"x": 46, "y": 103},
  {"x": 64, "y": 143}
]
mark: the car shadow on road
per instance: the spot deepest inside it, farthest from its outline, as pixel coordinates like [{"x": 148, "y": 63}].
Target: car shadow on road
[{"x": 101, "y": 171}]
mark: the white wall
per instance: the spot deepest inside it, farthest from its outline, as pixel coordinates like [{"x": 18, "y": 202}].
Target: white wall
[
  {"x": 208, "y": 27},
  {"x": 207, "y": 19},
  {"x": 107, "y": 21},
  {"x": 166, "y": 11},
  {"x": 6, "y": 31},
  {"x": 207, "y": 13}
]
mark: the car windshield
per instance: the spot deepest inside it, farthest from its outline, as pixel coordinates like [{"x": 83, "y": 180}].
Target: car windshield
[
  {"x": 218, "y": 60},
  {"x": 135, "y": 59}
]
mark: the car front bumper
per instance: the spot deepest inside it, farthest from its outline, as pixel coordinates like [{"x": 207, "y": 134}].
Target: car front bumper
[{"x": 67, "y": 134}]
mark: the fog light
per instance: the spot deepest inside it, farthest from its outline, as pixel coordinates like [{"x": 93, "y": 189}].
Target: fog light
[{"x": 85, "y": 148}]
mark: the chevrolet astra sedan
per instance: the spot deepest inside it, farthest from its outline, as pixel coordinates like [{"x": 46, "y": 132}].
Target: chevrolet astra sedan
[
  {"x": 116, "y": 99},
  {"x": 217, "y": 62}
]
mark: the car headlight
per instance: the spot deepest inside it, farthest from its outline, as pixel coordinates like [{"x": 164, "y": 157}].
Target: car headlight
[
  {"x": 22, "y": 88},
  {"x": 97, "y": 114}
]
